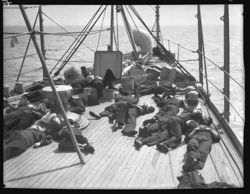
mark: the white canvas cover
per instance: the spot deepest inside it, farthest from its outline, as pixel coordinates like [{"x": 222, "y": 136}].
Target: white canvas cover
[{"x": 105, "y": 60}]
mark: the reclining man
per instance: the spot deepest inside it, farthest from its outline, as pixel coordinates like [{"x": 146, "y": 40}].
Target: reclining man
[
  {"x": 171, "y": 107},
  {"x": 199, "y": 141},
  {"x": 112, "y": 110},
  {"x": 169, "y": 134},
  {"x": 25, "y": 114},
  {"x": 41, "y": 133},
  {"x": 127, "y": 114}
]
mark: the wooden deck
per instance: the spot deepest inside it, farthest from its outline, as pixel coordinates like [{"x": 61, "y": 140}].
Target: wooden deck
[{"x": 116, "y": 164}]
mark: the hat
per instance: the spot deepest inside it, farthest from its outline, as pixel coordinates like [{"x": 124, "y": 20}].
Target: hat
[
  {"x": 150, "y": 109},
  {"x": 191, "y": 100}
]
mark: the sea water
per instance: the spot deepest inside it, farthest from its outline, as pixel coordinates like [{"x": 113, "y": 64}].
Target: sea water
[{"x": 185, "y": 36}]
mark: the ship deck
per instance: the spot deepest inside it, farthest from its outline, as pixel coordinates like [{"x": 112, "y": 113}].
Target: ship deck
[{"x": 116, "y": 164}]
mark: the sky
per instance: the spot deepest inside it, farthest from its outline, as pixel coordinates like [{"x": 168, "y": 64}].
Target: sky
[{"x": 169, "y": 14}]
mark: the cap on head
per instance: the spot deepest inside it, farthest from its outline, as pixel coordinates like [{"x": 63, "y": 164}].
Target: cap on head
[
  {"x": 150, "y": 109},
  {"x": 191, "y": 100},
  {"x": 207, "y": 120},
  {"x": 192, "y": 124}
]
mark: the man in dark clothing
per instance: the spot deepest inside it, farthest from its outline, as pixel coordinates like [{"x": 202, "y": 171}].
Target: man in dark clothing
[
  {"x": 41, "y": 134},
  {"x": 78, "y": 103},
  {"x": 112, "y": 110},
  {"x": 127, "y": 115},
  {"x": 19, "y": 141},
  {"x": 24, "y": 116},
  {"x": 169, "y": 133},
  {"x": 194, "y": 180},
  {"x": 199, "y": 141}
]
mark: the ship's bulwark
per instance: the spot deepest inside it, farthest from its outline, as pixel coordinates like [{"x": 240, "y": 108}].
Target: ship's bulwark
[{"x": 115, "y": 163}]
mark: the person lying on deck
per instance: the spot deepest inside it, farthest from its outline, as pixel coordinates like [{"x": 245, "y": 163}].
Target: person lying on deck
[
  {"x": 25, "y": 114},
  {"x": 80, "y": 80},
  {"x": 111, "y": 110},
  {"x": 124, "y": 111},
  {"x": 41, "y": 133},
  {"x": 127, "y": 114},
  {"x": 169, "y": 133},
  {"x": 170, "y": 107},
  {"x": 199, "y": 139},
  {"x": 161, "y": 80}
]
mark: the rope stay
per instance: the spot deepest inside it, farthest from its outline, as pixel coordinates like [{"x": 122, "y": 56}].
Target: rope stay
[
  {"x": 27, "y": 48},
  {"x": 97, "y": 46},
  {"x": 176, "y": 63},
  {"x": 78, "y": 45},
  {"x": 140, "y": 36},
  {"x": 16, "y": 34},
  {"x": 84, "y": 29},
  {"x": 31, "y": 71},
  {"x": 66, "y": 30}
]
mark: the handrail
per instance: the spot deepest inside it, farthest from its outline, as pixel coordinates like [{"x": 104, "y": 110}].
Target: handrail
[
  {"x": 221, "y": 68},
  {"x": 236, "y": 142},
  {"x": 224, "y": 96}
]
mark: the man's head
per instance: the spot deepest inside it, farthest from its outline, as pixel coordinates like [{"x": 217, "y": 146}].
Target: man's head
[
  {"x": 191, "y": 100},
  {"x": 207, "y": 120},
  {"x": 192, "y": 124},
  {"x": 54, "y": 119},
  {"x": 150, "y": 109},
  {"x": 23, "y": 100}
]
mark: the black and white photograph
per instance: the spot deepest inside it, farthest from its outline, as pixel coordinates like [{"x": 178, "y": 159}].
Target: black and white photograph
[{"x": 105, "y": 96}]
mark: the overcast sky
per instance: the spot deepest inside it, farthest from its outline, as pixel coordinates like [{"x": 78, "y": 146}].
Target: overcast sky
[{"x": 169, "y": 14}]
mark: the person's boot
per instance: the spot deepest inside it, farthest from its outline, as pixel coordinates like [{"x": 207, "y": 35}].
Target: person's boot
[
  {"x": 112, "y": 118},
  {"x": 117, "y": 126},
  {"x": 94, "y": 115},
  {"x": 162, "y": 148},
  {"x": 149, "y": 121},
  {"x": 137, "y": 143},
  {"x": 129, "y": 133}
]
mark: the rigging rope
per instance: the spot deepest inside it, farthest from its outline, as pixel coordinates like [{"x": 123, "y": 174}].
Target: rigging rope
[
  {"x": 140, "y": 36},
  {"x": 77, "y": 46},
  {"x": 101, "y": 29},
  {"x": 128, "y": 29},
  {"x": 182, "y": 69},
  {"x": 84, "y": 29},
  {"x": 13, "y": 58},
  {"x": 65, "y": 30},
  {"x": 14, "y": 75},
  {"x": 25, "y": 53},
  {"x": 69, "y": 61},
  {"x": 16, "y": 35},
  {"x": 117, "y": 46}
]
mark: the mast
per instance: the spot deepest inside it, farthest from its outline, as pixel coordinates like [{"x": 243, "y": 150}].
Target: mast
[
  {"x": 157, "y": 18},
  {"x": 226, "y": 63},
  {"x": 111, "y": 27},
  {"x": 200, "y": 43},
  {"x": 45, "y": 76},
  {"x": 73, "y": 138}
]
